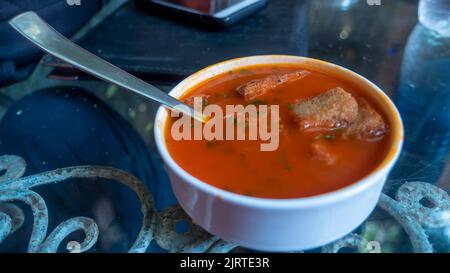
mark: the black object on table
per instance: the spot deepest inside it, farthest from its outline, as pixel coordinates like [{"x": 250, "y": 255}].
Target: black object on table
[{"x": 165, "y": 51}]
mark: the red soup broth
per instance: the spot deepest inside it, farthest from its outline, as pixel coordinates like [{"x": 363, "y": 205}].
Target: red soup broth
[{"x": 290, "y": 171}]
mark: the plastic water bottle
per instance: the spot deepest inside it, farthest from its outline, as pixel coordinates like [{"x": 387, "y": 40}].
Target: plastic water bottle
[
  {"x": 423, "y": 99},
  {"x": 435, "y": 14}
]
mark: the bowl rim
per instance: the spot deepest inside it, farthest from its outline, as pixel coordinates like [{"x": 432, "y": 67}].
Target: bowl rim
[{"x": 321, "y": 199}]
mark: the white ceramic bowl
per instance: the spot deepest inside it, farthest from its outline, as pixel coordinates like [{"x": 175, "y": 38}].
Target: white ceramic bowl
[{"x": 280, "y": 224}]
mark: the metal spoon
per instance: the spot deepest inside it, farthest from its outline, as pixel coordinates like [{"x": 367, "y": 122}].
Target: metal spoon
[{"x": 32, "y": 27}]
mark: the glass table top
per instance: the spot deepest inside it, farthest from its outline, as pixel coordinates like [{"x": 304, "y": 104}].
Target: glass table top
[{"x": 384, "y": 43}]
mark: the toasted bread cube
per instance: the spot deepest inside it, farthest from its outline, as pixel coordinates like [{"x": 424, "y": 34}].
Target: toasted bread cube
[
  {"x": 256, "y": 88},
  {"x": 369, "y": 123},
  {"x": 335, "y": 108}
]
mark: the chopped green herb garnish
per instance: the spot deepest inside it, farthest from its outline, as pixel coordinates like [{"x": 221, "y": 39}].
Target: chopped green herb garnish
[
  {"x": 226, "y": 96},
  {"x": 290, "y": 106},
  {"x": 330, "y": 137}
]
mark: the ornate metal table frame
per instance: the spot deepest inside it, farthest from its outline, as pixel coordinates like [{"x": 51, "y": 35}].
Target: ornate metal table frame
[{"x": 407, "y": 208}]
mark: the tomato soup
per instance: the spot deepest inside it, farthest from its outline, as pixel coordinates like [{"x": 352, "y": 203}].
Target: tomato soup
[{"x": 307, "y": 162}]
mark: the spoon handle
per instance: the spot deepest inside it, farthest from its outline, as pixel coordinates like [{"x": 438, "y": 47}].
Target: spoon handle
[{"x": 32, "y": 27}]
